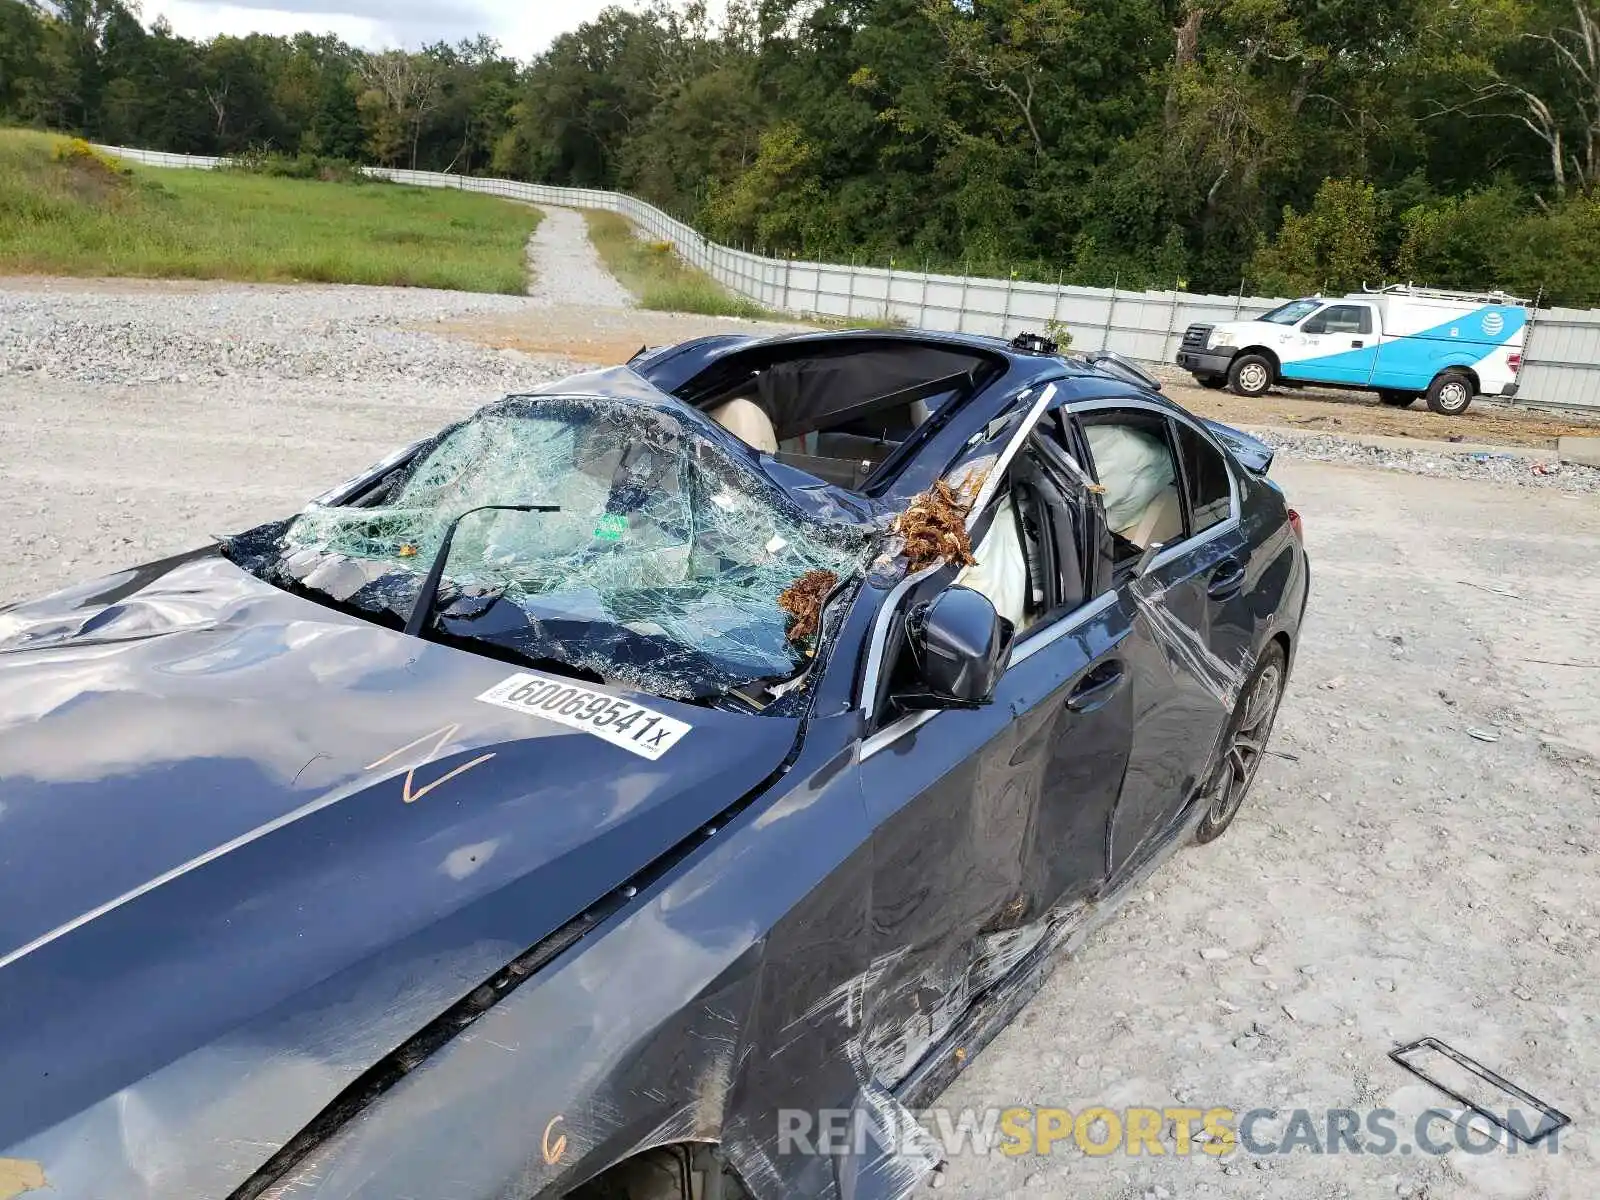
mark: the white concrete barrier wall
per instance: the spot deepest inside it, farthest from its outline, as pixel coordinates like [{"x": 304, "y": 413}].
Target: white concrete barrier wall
[{"x": 1561, "y": 364}]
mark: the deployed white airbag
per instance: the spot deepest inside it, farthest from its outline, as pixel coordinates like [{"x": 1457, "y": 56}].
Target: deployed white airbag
[
  {"x": 1001, "y": 572},
  {"x": 1134, "y": 467}
]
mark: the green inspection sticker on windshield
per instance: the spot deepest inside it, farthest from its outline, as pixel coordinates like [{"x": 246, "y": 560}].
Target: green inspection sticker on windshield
[{"x": 611, "y": 528}]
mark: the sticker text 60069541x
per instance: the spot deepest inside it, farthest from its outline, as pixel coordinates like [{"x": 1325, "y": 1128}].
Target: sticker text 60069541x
[{"x": 637, "y": 729}]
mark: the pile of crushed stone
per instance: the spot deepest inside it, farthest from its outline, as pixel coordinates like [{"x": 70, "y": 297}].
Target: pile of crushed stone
[{"x": 1486, "y": 466}]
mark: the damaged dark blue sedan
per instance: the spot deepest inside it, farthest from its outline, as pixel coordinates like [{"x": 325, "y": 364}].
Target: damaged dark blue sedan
[{"x": 588, "y": 797}]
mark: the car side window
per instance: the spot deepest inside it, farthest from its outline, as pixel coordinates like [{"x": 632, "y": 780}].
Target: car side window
[
  {"x": 1038, "y": 553},
  {"x": 1205, "y": 478},
  {"x": 1341, "y": 318},
  {"x": 1032, "y": 562},
  {"x": 1135, "y": 464}
]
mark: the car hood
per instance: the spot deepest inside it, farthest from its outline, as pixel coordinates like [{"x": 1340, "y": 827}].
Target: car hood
[{"x": 249, "y": 844}]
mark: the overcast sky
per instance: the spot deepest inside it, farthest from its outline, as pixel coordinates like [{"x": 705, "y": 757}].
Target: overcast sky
[{"x": 523, "y": 27}]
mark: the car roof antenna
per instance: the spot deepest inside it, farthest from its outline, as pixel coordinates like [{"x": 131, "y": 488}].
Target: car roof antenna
[{"x": 428, "y": 596}]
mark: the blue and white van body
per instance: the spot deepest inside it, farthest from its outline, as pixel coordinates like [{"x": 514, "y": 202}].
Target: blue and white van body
[{"x": 1401, "y": 342}]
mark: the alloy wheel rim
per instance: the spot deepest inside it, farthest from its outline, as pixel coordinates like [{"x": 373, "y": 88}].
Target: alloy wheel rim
[{"x": 1247, "y": 746}]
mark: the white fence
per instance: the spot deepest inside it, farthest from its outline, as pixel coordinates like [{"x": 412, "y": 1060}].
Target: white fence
[
  {"x": 1561, "y": 363},
  {"x": 1142, "y": 325}
]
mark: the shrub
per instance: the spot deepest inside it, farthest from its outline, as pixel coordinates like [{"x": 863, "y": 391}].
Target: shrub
[
  {"x": 1332, "y": 246},
  {"x": 77, "y": 152},
  {"x": 261, "y": 160}
]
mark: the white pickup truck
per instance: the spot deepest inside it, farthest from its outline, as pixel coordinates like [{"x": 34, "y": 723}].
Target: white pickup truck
[{"x": 1401, "y": 342}]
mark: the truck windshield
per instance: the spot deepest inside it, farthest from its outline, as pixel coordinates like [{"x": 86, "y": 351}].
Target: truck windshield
[{"x": 1290, "y": 313}]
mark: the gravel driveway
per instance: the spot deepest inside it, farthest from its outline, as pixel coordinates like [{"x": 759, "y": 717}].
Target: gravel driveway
[
  {"x": 565, "y": 267},
  {"x": 1398, "y": 877}
]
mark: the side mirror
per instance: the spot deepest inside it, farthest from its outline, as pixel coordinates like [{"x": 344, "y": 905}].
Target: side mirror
[
  {"x": 960, "y": 647},
  {"x": 1315, "y": 325}
]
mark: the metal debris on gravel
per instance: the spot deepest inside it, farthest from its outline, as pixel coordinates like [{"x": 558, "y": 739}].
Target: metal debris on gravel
[{"x": 1497, "y": 467}]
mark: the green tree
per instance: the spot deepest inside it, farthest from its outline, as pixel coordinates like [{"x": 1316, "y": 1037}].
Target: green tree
[
  {"x": 23, "y": 83},
  {"x": 1331, "y": 247},
  {"x": 1460, "y": 241}
]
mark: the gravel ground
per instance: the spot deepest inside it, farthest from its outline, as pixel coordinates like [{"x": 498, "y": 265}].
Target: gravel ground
[
  {"x": 1485, "y": 466},
  {"x": 135, "y": 334},
  {"x": 1329, "y": 410},
  {"x": 566, "y": 269},
  {"x": 1398, "y": 877}
]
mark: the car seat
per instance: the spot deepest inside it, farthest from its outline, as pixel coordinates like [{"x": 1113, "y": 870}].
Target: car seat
[
  {"x": 746, "y": 420},
  {"x": 1162, "y": 521}
]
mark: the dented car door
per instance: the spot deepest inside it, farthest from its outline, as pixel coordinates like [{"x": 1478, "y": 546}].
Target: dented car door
[
  {"x": 1183, "y": 688},
  {"x": 986, "y": 820}
]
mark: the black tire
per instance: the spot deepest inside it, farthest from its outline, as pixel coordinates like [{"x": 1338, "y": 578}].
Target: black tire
[
  {"x": 1244, "y": 744},
  {"x": 1397, "y": 399},
  {"x": 1251, "y": 374},
  {"x": 1211, "y": 382},
  {"x": 1450, "y": 393}
]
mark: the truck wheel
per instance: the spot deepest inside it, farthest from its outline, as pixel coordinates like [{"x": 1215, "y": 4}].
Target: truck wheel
[
  {"x": 1211, "y": 382},
  {"x": 1450, "y": 393},
  {"x": 1250, "y": 375},
  {"x": 1396, "y": 399}
]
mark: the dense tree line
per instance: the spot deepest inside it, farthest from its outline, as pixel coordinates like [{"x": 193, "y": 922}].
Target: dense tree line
[{"x": 1280, "y": 145}]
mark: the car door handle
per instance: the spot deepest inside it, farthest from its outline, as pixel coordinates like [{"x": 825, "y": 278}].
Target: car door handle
[
  {"x": 1357, "y": 344},
  {"x": 1097, "y": 687},
  {"x": 1226, "y": 580}
]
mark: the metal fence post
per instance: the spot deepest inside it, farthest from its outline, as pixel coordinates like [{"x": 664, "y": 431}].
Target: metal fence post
[
  {"x": 1111, "y": 309},
  {"x": 961, "y": 312},
  {"x": 1238, "y": 301},
  {"x": 1005, "y": 317},
  {"x": 788, "y": 268},
  {"x": 922, "y": 310},
  {"x": 850, "y": 298},
  {"x": 1172, "y": 316},
  {"x": 1527, "y": 339}
]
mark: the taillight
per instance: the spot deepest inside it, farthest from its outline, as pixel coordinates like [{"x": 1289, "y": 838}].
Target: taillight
[
  {"x": 1516, "y": 363},
  {"x": 1294, "y": 524}
]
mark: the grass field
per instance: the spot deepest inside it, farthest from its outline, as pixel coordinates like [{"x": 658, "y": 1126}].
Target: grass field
[
  {"x": 66, "y": 211},
  {"x": 657, "y": 277}
]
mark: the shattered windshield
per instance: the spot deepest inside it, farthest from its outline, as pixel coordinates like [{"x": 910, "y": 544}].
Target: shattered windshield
[{"x": 662, "y": 570}]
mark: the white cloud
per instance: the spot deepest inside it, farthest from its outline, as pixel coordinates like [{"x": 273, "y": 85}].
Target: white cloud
[{"x": 524, "y": 28}]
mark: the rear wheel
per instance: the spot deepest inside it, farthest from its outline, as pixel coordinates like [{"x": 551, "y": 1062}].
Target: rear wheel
[
  {"x": 1251, "y": 375},
  {"x": 1244, "y": 744},
  {"x": 1396, "y": 399},
  {"x": 1450, "y": 393}
]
